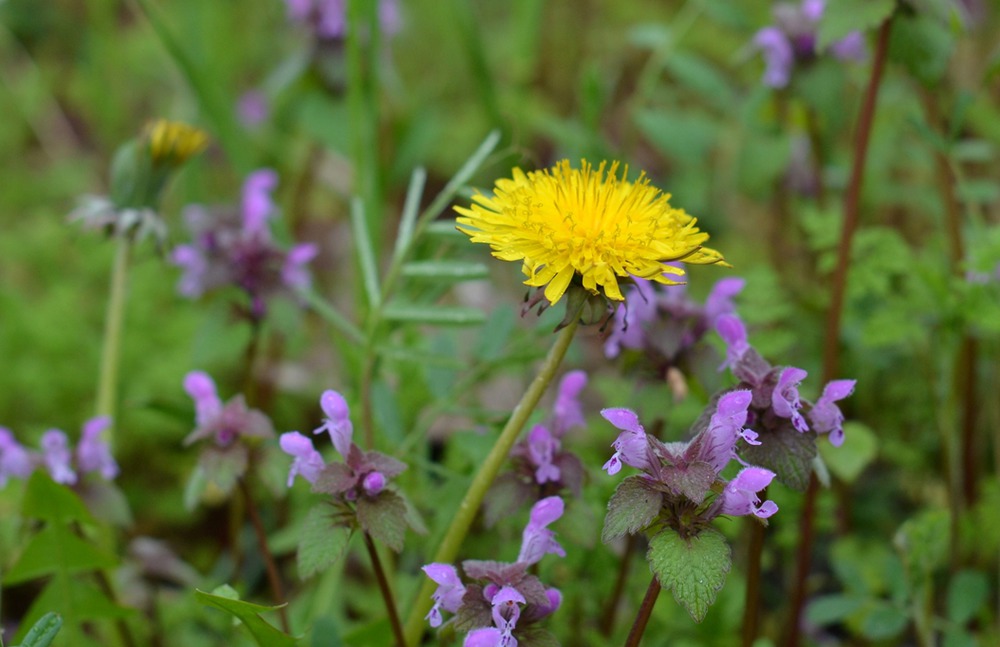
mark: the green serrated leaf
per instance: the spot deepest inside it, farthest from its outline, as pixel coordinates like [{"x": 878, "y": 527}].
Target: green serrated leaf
[
  {"x": 968, "y": 591},
  {"x": 264, "y": 634},
  {"x": 43, "y": 632},
  {"x": 321, "y": 543},
  {"x": 446, "y": 270},
  {"x": 841, "y": 17},
  {"x": 49, "y": 501},
  {"x": 632, "y": 507},
  {"x": 57, "y": 549},
  {"x": 693, "y": 569},
  {"x": 786, "y": 452},
  {"x": 850, "y": 459},
  {"x": 384, "y": 518},
  {"x": 434, "y": 315}
]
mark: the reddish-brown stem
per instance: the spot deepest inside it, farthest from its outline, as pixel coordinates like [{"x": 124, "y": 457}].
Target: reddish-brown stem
[
  {"x": 642, "y": 617},
  {"x": 383, "y": 585},
  {"x": 273, "y": 577},
  {"x": 751, "y": 608},
  {"x": 610, "y": 609},
  {"x": 831, "y": 347}
]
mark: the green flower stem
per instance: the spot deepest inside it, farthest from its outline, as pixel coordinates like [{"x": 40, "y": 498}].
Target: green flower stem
[
  {"x": 642, "y": 617},
  {"x": 107, "y": 383},
  {"x": 452, "y": 542},
  {"x": 383, "y": 585},
  {"x": 831, "y": 348}
]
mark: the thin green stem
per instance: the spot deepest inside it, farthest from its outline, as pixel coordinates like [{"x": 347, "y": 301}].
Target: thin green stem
[
  {"x": 831, "y": 348},
  {"x": 462, "y": 521},
  {"x": 383, "y": 585},
  {"x": 642, "y": 617},
  {"x": 107, "y": 382}
]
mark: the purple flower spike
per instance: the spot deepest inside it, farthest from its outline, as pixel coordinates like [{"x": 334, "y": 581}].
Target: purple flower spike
[
  {"x": 734, "y": 333},
  {"x": 373, "y": 483},
  {"x": 57, "y": 456},
  {"x": 538, "y": 540},
  {"x": 720, "y": 300},
  {"x": 195, "y": 267},
  {"x": 308, "y": 462},
  {"x": 778, "y": 56},
  {"x": 506, "y": 613},
  {"x": 337, "y": 421},
  {"x": 449, "y": 592},
  {"x": 252, "y": 108},
  {"x": 201, "y": 388},
  {"x": 294, "y": 274},
  {"x": 92, "y": 453},
  {"x": 850, "y": 48},
  {"x": 826, "y": 416},
  {"x": 15, "y": 460},
  {"x": 555, "y": 601},
  {"x": 257, "y": 203},
  {"x": 631, "y": 446},
  {"x": 541, "y": 450},
  {"x": 485, "y": 637},
  {"x": 785, "y": 398},
  {"x": 740, "y": 496},
  {"x": 567, "y": 411},
  {"x": 725, "y": 426}
]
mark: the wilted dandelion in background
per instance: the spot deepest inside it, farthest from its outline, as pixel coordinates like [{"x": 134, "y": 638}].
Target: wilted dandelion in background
[{"x": 587, "y": 227}]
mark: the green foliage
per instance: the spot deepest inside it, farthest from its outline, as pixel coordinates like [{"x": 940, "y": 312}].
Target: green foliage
[
  {"x": 694, "y": 569},
  {"x": 43, "y": 632},
  {"x": 632, "y": 508},
  {"x": 61, "y": 550},
  {"x": 859, "y": 450},
  {"x": 384, "y": 518},
  {"x": 322, "y": 543},
  {"x": 225, "y": 599},
  {"x": 841, "y": 17},
  {"x": 786, "y": 452}
]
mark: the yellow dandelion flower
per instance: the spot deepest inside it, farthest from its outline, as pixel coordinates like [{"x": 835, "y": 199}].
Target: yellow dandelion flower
[
  {"x": 564, "y": 223},
  {"x": 173, "y": 142}
]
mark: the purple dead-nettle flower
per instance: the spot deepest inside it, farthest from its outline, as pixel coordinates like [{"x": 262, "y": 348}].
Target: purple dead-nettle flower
[
  {"x": 361, "y": 473},
  {"x": 234, "y": 247},
  {"x": 778, "y": 56},
  {"x": 328, "y": 18},
  {"x": 57, "y": 457},
  {"x": 337, "y": 421},
  {"x": 725, "y": 427},
  {"x": 450, "y": 591},
  {"x": 15, "y": 460},
  {"x": 537, "y": 540},
  {"x": 631, "y": 446},
  {"x": 734, "y": 333},
  {"x": 224, "y": 423},
  {"x": 308, "y": 462},
  {"x": 92, "y": 452},
  {"x": 825, "y": 416},
  {"x": 252, "y": 108},
  {"x": 567, "y": 412},
  {"x": 791, "y": 41},
  {"x": 785, "y": 399},
  {"x": 542, "y": 447},
  {"x": 740, "y": 495},
  {"x": 257, "y": 204},
  {"x": 666, "y": 324}
]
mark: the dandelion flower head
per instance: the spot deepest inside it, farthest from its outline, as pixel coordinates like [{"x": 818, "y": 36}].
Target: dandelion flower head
[{"x": 589, "y": 223}]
